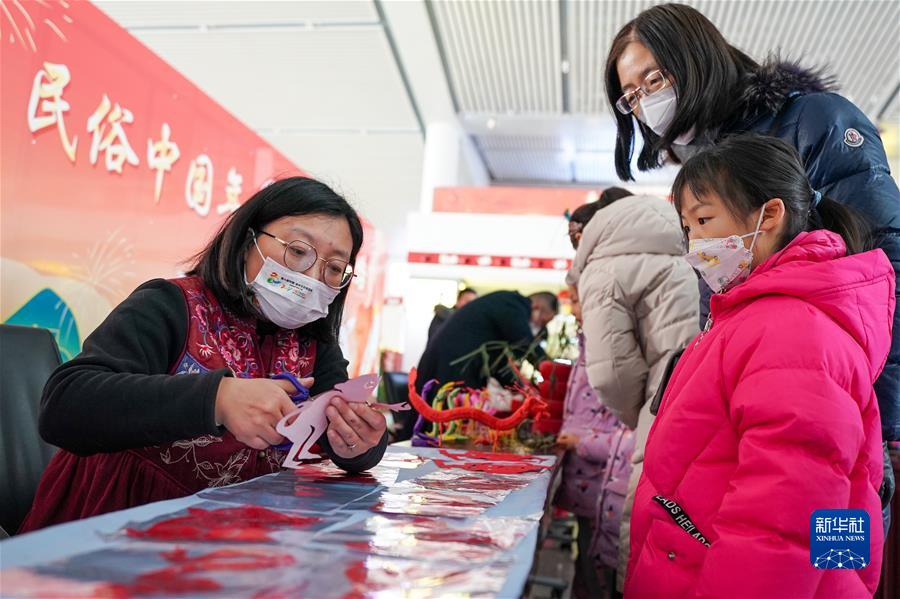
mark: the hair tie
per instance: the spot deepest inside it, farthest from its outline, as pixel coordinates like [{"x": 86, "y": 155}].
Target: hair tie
[{"x": 817, "y": 199}]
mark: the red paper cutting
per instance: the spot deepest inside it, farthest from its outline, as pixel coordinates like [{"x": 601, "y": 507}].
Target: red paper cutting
[
  {"x": 174, "y": 579},
  {"x": 491, "y": 456},
  {"x": 245, "y": 524},
  {"x": 227, "y": 559},
  {"x": 326, "y": 473},
  {"x": 492, "y": 468},
  {"x": 306, "y": 491},
  {"x": 470, "y": 483},
  {"x": 358, "y": 545},
  {"x": 356, "y": 572},
  {"x": 163, "y": 582}
]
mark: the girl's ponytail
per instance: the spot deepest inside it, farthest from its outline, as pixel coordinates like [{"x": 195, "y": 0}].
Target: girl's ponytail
[{"x": 846, "y": 222}]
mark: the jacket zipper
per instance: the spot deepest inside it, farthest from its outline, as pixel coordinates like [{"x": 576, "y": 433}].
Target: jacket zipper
[{"x": 706, "y": 329}]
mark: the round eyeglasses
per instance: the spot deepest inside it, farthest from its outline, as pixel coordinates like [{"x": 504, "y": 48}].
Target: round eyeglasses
[
  {"x": 655, "y": 81},
  {"x": 300, "y": 256}
]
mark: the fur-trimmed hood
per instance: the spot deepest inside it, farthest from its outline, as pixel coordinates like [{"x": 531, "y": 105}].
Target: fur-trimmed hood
[
  {"x": 765, "y": 91},
  {"x": 767, "y": 88}
]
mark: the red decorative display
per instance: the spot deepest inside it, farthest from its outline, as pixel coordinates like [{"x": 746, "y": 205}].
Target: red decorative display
[{"x": 531, "y": 404}]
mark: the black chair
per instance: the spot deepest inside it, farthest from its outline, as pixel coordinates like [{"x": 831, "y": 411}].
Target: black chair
[
  {"x": 27, "y": 358},
  {"x": 397, "y": 391}
]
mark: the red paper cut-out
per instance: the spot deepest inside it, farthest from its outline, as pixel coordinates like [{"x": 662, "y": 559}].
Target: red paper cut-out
[
  {"x": 492, "y": 468},
  {"x": 246, "y": 524},
  {"x": 174, "y": 579},
  {"x": 490, "y": 456},
  {"x": 471, "y": 483},
  {"x": 358, "y": 545},
  {"x": 308, "y": 491},
  {"x": 327, "y": 473}
]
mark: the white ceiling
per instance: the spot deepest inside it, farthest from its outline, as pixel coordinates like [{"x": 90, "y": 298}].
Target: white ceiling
[
  {"x": 502, "y": 56},
  {"x": 332, "y": 78}
]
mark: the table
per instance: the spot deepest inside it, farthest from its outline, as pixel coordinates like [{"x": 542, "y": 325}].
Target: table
[
  {"x": 553, "y": 483},
  {"x": 68, "y": 547}
]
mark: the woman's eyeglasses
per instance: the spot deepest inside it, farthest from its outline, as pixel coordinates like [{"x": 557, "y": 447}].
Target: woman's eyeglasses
[
  {"x": 300, "y": 256},
  {"x": 652, "y": 83}
]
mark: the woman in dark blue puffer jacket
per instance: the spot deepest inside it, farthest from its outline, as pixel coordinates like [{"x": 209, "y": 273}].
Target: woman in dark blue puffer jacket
[{"x": 687, "y": 88}]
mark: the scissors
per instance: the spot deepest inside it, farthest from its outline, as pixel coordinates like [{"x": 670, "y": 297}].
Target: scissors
[
  {"x": 299, "y": 397},
  {"x": 302, "y": 393}
]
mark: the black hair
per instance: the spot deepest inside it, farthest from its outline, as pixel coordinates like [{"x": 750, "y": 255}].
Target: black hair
[
  {"x": 612, "y": 194},
  {"x": 465, "y": 291},
  {"x": 548, "y": 297},
  {"x": 708, "y": 74},
  {"x": 584, "y": 213},
  {"x": 221, "y": 263},
  {"x": 748, "y": 170}
]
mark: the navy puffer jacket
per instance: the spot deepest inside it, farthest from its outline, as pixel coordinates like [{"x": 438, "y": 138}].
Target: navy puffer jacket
[{"x": 844, "y": 160}]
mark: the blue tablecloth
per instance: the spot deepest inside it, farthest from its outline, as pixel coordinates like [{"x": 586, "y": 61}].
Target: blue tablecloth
[{"x": 82, "y": 536}]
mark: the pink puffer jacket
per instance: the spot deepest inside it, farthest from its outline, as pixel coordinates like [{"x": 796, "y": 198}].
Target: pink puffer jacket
[
  {"x": 769, "y": 416},
  {"x": 586, "y": 469}
]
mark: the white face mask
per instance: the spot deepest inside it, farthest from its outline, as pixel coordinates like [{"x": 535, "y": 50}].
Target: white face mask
[
  {"x": 658, "y": 112},
  {"x": 287, "y": 298},
  {"x": 723, "y": 261}
]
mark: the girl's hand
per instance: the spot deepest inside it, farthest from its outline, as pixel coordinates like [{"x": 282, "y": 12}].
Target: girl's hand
[
  {"x": 568, "y": 441},
  {"x": 353, "y": 428},
  {"x": 250, "y": 408}
]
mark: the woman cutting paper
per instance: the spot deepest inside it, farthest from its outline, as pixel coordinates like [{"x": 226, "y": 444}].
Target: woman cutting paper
[{"x": 173, "y": 392}]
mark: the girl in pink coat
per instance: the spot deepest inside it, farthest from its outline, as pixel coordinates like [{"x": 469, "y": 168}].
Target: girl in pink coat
[
  {"x": 770, "y": 413},
  {"x": 595, "y": 475}
]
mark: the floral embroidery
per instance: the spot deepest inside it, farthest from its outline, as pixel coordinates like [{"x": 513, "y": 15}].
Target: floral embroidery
[
  {"x": 230, "y": 472},
  {"x": 190, "y": 454},
  {"x": 274, "y": 457},
  {"x": 219, "y": 339}
]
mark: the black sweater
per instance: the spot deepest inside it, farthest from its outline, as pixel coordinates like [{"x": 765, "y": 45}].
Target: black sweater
[
  {"x": 497, "y": 316},
  {"x": 117, "y": 393}
]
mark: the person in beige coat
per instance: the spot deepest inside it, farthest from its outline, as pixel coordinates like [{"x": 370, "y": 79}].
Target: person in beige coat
[{"x": 639, "y": 303}]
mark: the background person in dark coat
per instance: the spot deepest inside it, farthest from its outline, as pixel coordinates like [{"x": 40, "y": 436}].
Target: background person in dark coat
[
  {"x": 500, "y": 316},
  {"x": 687, "y": 88},
  {"x": 442, "y": 313}
]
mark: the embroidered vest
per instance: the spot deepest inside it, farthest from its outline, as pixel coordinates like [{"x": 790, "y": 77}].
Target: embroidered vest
[{"x": 219, "y": 339}]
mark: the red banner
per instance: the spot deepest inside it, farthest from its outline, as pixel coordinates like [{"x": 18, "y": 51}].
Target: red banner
[
  {"x": 487, "y": 260},
  {"x": 551, "y": 201},
  {"x": 114, "y": 168}
]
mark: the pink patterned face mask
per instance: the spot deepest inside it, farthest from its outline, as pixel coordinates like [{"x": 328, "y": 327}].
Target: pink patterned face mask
[{"x": 723, "y": 261}]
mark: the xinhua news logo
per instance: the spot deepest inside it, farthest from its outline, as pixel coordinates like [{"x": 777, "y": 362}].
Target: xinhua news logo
[{"x": 839, "y": 539}]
